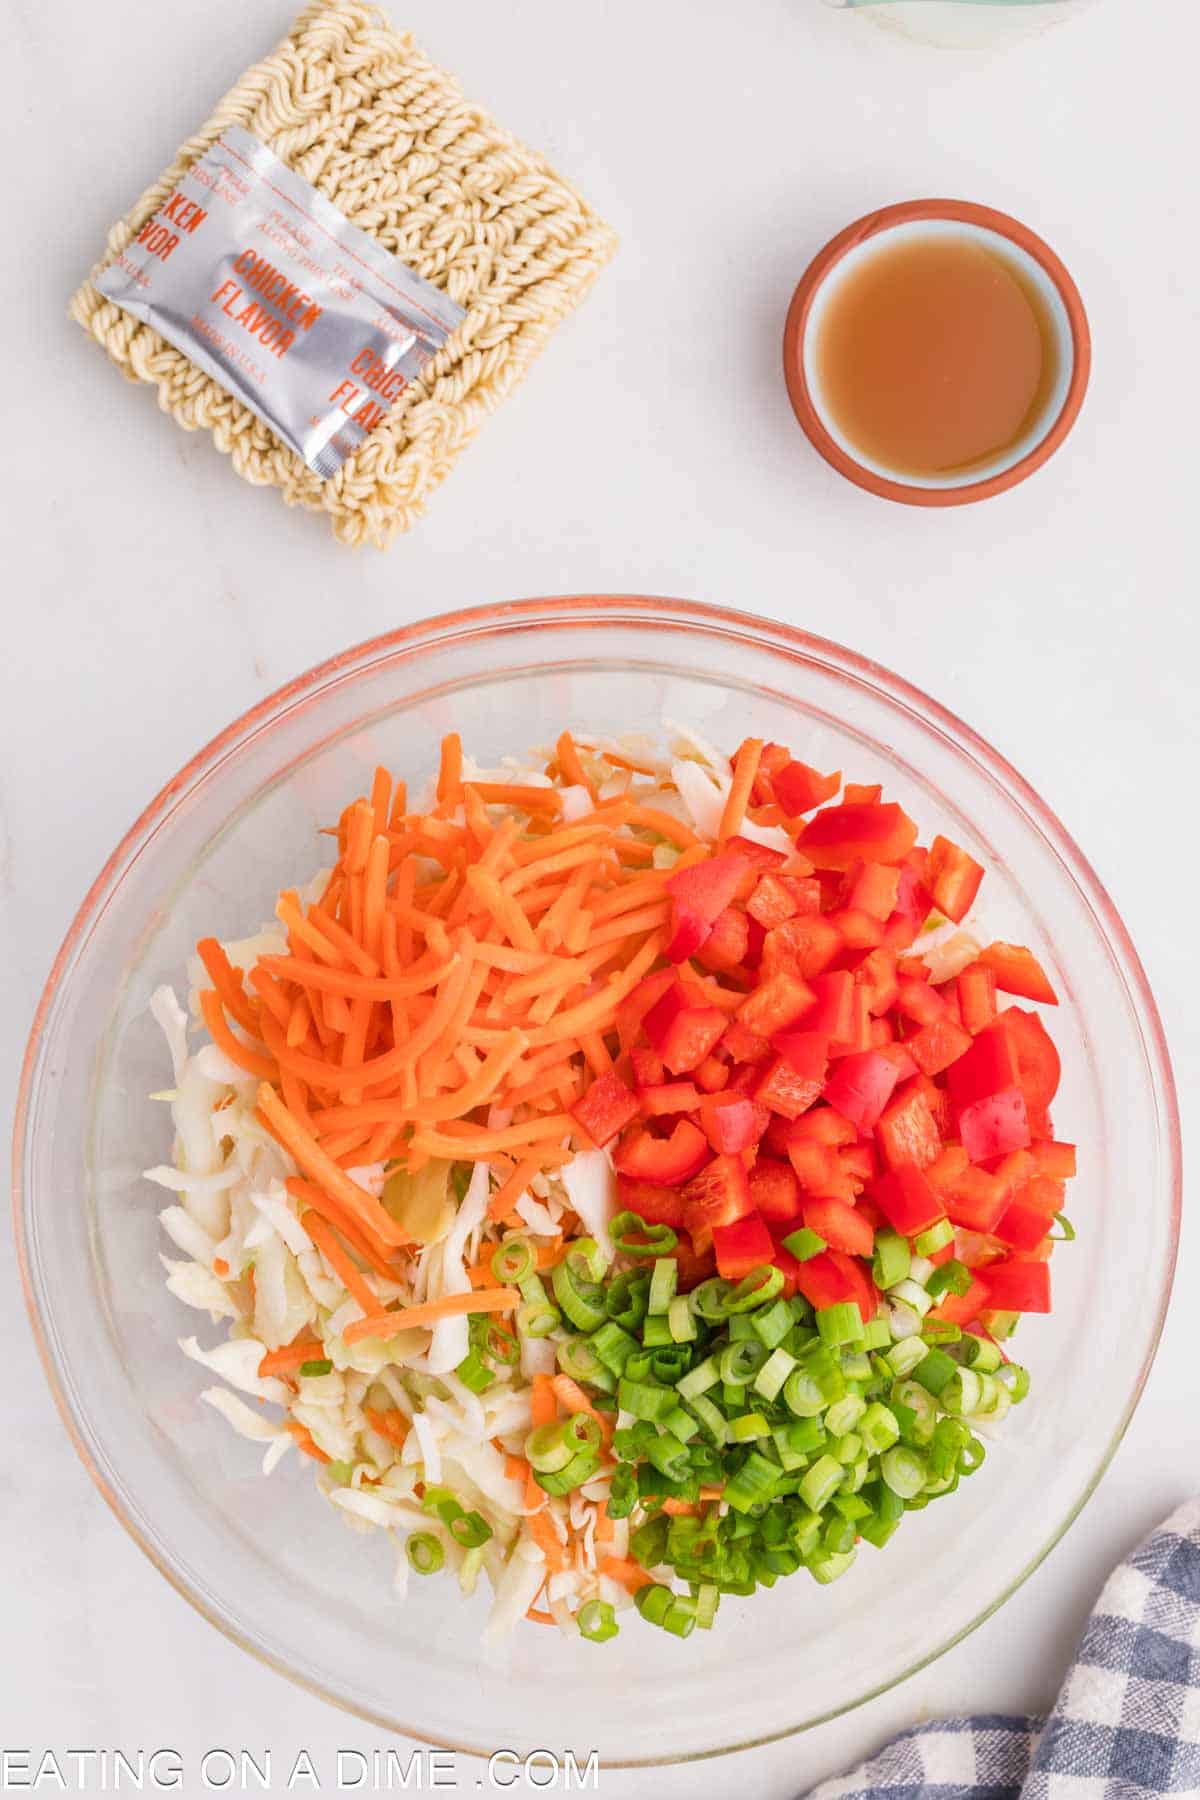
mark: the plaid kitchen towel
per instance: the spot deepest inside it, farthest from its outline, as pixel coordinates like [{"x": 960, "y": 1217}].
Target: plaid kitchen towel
[{"x": 1126, "y": 1722}]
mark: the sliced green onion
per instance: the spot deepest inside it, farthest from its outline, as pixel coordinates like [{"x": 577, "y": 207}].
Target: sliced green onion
[
  {"x": 698, "y": 1380},
  {"x": 581, "y": 1468},
  {"x": 928, "y": 1243},
  {"x": 426, "y": 1553},
  {"x": 1014, "y": 1377},
  {"x": 804, "y": 1244},
  {"x": 878, "y": 1428},
  {"x": 950, "y": 1277},
  {"x": 582, "y": 1301},
  {"x": 749, "y": 1426},
  {"x": 830, "y": 1568},
  {"x": 656, "y": 1332},
  {"x": 645, "y": 1399},
  {"x": 320, "y": 1365},
  {"x": 680, "y": 1320},
  {"x": 911, "y": 1294},
  {"x": 587, "y": 1260},
  {"x": 980, "y": 1353},
  {"x": 582, "y": 1432},
  {"x": 663, "y": 1277},
  {"x": 597, "y": 1621},
  {"x": 470, "y": 1530},
  {"x": 474, "y": 1373},
  {"x": 547, "y": 1448},
  {"x": 622, "y": 1493},
  {"x": 935, "y": 1371},
  {"x": 964, "y": 1391},
  {"x": 648, "y": 1544},
  {"x": 903, "y": 1470},
  {"x": 625, "y": 1299},
  {"x": 903, "y": 1357},
  {"x": 753, "y": 1483},
  {"x": 877, "y": 1334},
  {"x": 669, "y": 1456},
  {"x": 513, "y": 1261},
  {"x": 840, "y": 1324},
  {"x": 712, "y": 1420},
  {"x": 803, "y": 1394},
  {"x": 941, "y": 1331},
  {"x": 772, "y": 1323},
  {"x": 1067, "y": 1234},
  {"x": 844, "y": 1415},
  {"x": 708, "y": 1598},
  {"x": 774, "y": 1373},
  {"x": 613, "y": 1345},
  {"x": 680, "y": 1422},
  {"x": 740, "y": 1362},
  {"x": 537, "y": 1318},
  {"x": 633, "y": 1237},
  {"x": 892, "y": 1259},
  {"x": 821, "y": 1482},
  {"x": 577, "y": 1358},
  {"x": 755, "y": 1289},
  {"x": 708, "y": 1300}
]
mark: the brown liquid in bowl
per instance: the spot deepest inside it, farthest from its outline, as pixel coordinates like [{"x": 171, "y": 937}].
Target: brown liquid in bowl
[{"x": 935, "y": 354}]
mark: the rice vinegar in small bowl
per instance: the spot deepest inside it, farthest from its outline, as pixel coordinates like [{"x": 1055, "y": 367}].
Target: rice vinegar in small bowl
[{"x": 936, "y": 352}]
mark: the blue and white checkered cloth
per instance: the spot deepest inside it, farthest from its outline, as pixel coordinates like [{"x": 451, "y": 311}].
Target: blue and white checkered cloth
[{"x": 1126, "y": 1723}]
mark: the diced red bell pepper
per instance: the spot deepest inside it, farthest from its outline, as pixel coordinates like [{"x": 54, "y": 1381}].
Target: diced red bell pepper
[
  {"x": 819, "y": 1171},
  {"x": 1018, "y": 971},
  {"x": 824, "y": 1125},
  {"x": 657, "y": 1205},
  {"x": 780, "y": 1000},
  {"x": 936, "y": 1099},
  {"x": 862, "y": 793},
  {"x": 699, "y": 894},
  {"x": 717, "y": 1195},
  {"x": 731, "y": 1123},
  {"x": 963, "y": 1309},
  {"x": 823, "y": 1281},
  {"x": 1056, "y": 1160},
  {"x": 840, "y": 1225},
  {"x": 1023, "y": 1224},
  {"x": 682, "y": 1034},
  {"x": 606, "y": 1108},
  {"x": 711, "y": 1075},
  {"x": 669, "y": 1097},
  {"x": 788, "y": 1267},
  {"x": 806, "y": 944},
  {"x": 994, "y": 1125},
  {"x": 898, "y": 1054},
  {"x": 665, "y": 1161},
  {"x": 805, "y": 891},
  {"x": 877, "y": 974},
  {"x": 782, "y": 1090},
  {"x": 774, "y": 1189},
  {"x": 861, "y": 1289},
  {"x": 1015, "y": 1170},
  {"x": 861, "y": 1085},
  {"x": 842, "y": 835},
  {"x": 907, "y": 1200},
  {"x": 648, "y": 1069},
  {"x": 918, "y": 1001},
  {"x": 744, "y": 1046},
  {"x": 798, "y": 788},
  {"x": 976, "y": 997},
  {"x": 1017, "y": 1286},
  {"x": 761, "y": 857},
  {"x": 833, "y": 1014},
  {"x": 692, "y": 1266},
  {"x": 988, "y": 1067},
  {"x": 742, "y": 1246},
  {"x": 633, "y": 1009},
  {"x": 1039, "y": 1068},
  {"x": 771, "y": 902},
  {"x": 860, "y": 930},
  {"x": 912, "y": 903},
  {"x": 938, "y": 1044},
  {"x": 953, "y": 877},
  {"x": 874, "y": 888},
  {"x": 907, "y": 1132},
  {"x": 858, "y": 1161},
  {"x": 727, "y": 942}
]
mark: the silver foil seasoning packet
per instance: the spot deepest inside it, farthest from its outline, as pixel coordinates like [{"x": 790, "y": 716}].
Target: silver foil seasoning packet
[{"x": 264, "y": 285}]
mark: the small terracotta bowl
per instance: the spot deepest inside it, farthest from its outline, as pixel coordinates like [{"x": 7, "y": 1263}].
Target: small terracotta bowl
[{"x": 1040, "y": 266}]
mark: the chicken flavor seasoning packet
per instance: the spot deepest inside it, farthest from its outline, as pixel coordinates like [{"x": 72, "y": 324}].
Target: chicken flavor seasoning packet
[{"x": 271, "y": 291}]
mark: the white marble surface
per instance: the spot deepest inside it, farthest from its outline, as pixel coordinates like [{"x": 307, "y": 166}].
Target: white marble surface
[{"x": 150, "y": 597}]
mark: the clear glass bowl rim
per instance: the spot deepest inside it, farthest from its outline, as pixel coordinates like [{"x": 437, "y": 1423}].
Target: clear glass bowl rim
[{"x": 696, "y": 618}]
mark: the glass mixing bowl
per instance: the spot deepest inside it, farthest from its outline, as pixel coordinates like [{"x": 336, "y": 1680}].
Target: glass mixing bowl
[{"x": 275, "y": 1569}]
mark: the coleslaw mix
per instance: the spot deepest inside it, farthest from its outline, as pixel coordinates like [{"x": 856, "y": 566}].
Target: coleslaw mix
[{"x": 388, "y": 1188}]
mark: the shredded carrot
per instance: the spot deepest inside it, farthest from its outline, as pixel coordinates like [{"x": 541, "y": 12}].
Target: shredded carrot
[
  {"x": 282, "y": 1362},
  {"x": 390, "y": 1424},
  {"x": 623, "y": 1569},
  {"x": 543, "y": 1402},
  {"x": 304, "y": 1441},
  {"x": 228, "y": 982},
  {"x": 224, "y": 1039},
  {"x": 529, "y": 799},
  {"x": 744, "y": 771},
  {"x": 537, "y": 1617},
  {"x": 680, "y": 1509},
  {"x": 318, "y": 1164},
  {"x": 324, "y": 1237},
  {"x": 372, "y": 1251},
  {"x": 412, "y": 1318},
  {"x": 546, "y": 1538},
  {"x": 570, "y": 767},
  {"x": 449, "y": 782}
]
